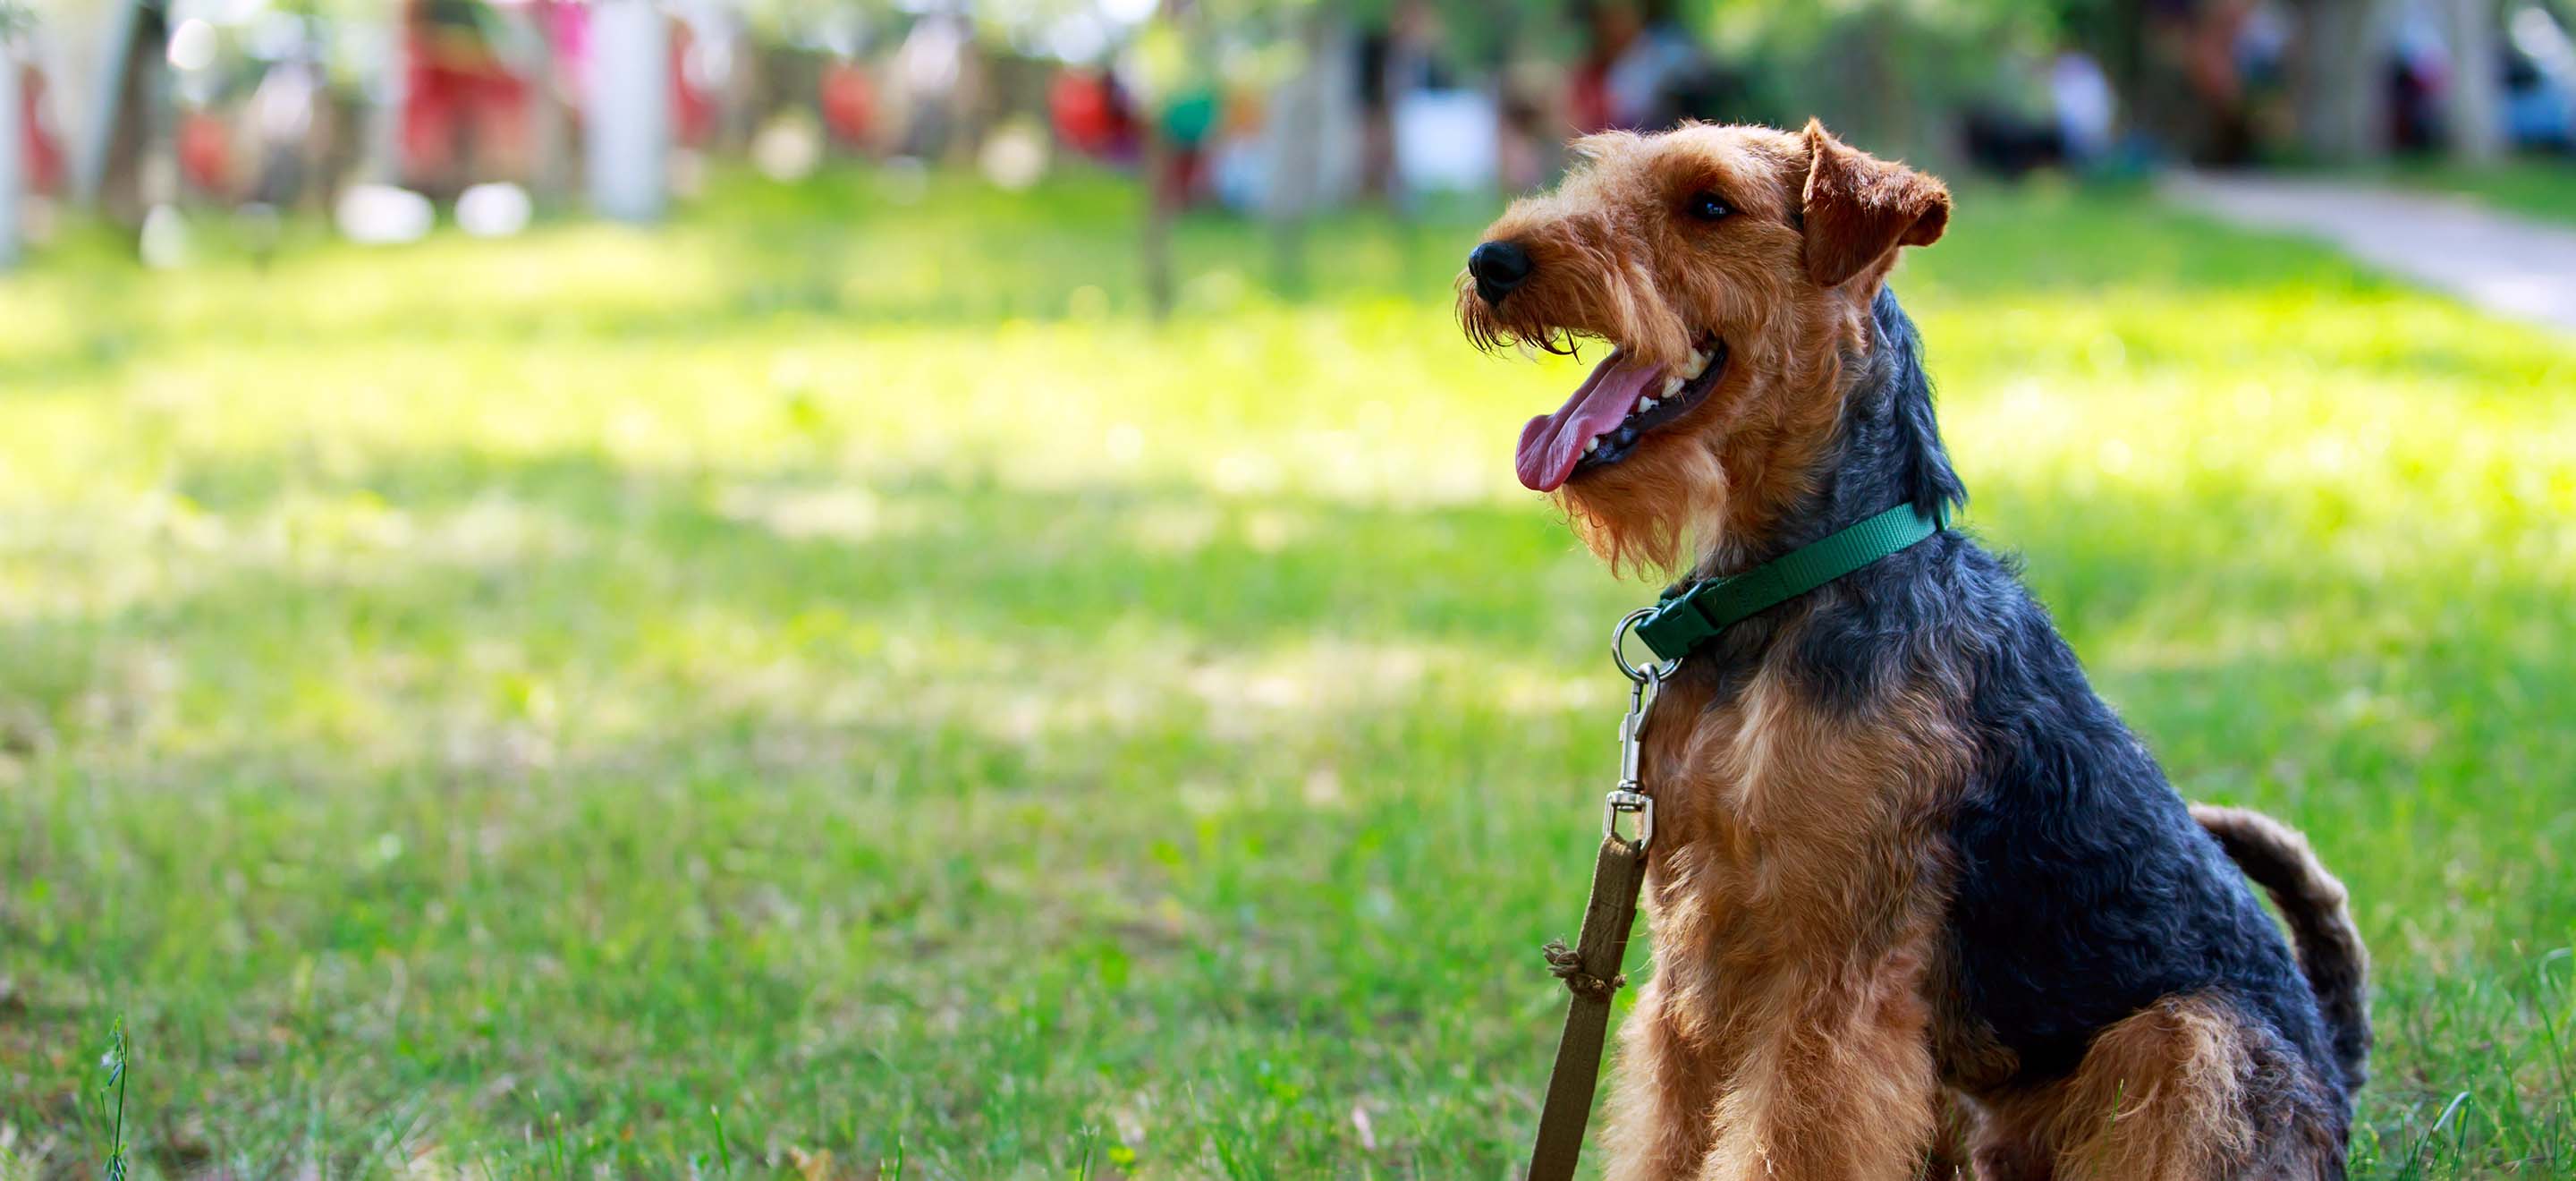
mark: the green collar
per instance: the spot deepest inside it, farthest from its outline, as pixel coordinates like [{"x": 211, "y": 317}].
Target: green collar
[{"x": 1694, "y": 613}]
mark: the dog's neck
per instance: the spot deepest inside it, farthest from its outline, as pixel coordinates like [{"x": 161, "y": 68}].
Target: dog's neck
[{"x": 1886, "y": 450}]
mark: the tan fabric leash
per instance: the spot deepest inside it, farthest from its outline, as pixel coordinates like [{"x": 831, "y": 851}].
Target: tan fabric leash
[
  {"x": 1591, "y": 972},
  {"x": 1590, "y": 968}
]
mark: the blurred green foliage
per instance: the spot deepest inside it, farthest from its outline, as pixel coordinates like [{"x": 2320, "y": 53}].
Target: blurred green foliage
[{"x": 831, "y": 671}]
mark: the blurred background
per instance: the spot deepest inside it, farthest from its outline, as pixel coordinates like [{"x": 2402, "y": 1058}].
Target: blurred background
[
  {"x": 928, "y": 589},
  {"x": 384, "y": 119}
]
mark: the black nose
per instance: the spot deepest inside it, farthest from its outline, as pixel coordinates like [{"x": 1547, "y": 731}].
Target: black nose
[{"x": 1498, "y": 267}]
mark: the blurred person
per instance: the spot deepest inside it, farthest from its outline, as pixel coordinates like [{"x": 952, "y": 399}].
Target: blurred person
[
  {"x": 2085, "y": 104},
  {"x": 461, "y": 104},
  {"x": 1424, "y": 127},
  {"x": 1642, "y": 70},
  {"x": 1239, "y": 166},
  {"x": 2418, "y": 79},
  {"x": 1188, "y": 123},
  {"x": 44, "y": 153},
  {"x": 1395, "y": 62},
  {"x": 929, "y": 71},
  {"x": 2539, "y": 81},
  {"x": 1530, "y": 149},
  {"x": 693, "y": 90},
  {"x": 2059, "y": 116},
  {"x": 2011, "y": 128},
  {"x": 280, "y": 125},
  {"x": 2212, "y": 69},
  {"x": 849, "y": 102}
]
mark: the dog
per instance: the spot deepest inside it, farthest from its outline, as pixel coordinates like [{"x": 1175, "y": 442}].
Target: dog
[{"x": 1922, "y": 905}]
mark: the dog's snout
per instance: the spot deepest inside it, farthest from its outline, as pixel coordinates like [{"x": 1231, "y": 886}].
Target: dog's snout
[{"x": 1498, "y": 267}]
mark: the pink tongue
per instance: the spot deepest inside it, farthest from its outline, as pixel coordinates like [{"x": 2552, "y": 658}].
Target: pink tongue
[{"x": 1551, "y": 443}]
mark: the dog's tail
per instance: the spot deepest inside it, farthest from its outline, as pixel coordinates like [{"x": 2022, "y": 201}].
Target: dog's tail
[{"x": 2313, "y": 901}]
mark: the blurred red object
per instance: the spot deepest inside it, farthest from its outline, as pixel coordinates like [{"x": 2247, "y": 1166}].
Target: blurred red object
[
  {"x": 1090, "y": 115},
  {"x": 206, "y": 154},
  {"x": 458, "y": 97},
  {"x": 849, "y": 103},
  {"x": 44, "y": 157},
  {"x": 693, "y": 110}
]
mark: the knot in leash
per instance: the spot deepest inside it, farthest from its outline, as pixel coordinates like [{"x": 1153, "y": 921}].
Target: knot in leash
[{"x": 1566, "y": 964}]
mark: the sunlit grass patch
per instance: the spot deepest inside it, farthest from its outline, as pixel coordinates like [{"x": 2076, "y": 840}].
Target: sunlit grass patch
[{"x": 834, "y": 663}]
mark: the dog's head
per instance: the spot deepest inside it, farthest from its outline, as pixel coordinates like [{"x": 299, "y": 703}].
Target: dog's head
[{"x": 1731, "y": 269}]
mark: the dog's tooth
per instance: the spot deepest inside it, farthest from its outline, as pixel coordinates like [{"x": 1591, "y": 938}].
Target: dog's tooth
[
  {"x": 1592, "y": 444},
  {"x": 1698, "y": 363},
  {"x": 1646, "y": 404},
  {"x": 1672, "y": 384}
]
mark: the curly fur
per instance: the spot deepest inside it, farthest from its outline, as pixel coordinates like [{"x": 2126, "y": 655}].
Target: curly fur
[{"x": 1920, "y": 902}]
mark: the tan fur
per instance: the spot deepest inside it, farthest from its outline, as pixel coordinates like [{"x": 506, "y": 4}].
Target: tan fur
[
  {"x": 2312, "y": 899},
  {"x": 1614, "y": 260},
  {"x": 1859, "y": 210},
  {"x": 2165, "y": 1095},
  {"x": 1785, "y": 1032},
  {"x": 1798, "y": 1023}
]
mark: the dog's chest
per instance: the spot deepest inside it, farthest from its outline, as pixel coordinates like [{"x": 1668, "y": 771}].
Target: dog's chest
[{"x": 1791, "y": 822}]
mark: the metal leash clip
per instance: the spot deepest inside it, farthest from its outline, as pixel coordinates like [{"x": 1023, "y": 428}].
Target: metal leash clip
[{"x": 1627, "y": 799}]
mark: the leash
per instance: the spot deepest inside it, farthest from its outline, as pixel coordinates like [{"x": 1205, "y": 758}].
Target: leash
[
  {"x": 1591, "y": 968},
  {"x": 1684, "y": 618}
]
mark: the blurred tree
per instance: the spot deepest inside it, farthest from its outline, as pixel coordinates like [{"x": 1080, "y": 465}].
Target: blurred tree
[
  {"x": 1873, "y": 68},
  {"x": 1178, "y": 67},
  {"x": 627, "y": 119},
  {"x": 124, "y": 119},
  {"x": 2338, "y": 71},
  {"x": 364, "y": 62},
  {"x": 1168, "y": 65},
  {"x": 1296, "y": 119},
  {"x": 2474, "y": 115}
]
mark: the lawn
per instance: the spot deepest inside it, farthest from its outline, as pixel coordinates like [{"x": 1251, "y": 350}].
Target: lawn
[
  {"x": 2537, "y": 186},
  {"x": 829, "y": 688}
]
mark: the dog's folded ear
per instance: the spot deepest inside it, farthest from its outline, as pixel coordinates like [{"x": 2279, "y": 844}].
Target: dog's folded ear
[{"x": 1859, "y": 207}]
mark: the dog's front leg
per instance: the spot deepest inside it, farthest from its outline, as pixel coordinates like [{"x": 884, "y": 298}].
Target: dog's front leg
[
  {"x": 1833, "y": 1081},
  {"x": 1665, "y": 1087}
]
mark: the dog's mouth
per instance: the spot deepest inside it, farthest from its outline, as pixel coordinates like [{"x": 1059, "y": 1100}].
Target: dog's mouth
[{"x": 1618, "y": 405}]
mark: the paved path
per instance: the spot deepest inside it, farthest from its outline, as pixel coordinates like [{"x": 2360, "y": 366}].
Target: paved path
[{"x": 2500, "y": 262}]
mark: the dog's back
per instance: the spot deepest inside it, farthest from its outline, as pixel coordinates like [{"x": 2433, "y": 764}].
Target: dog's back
[
  {"x": 2087, "y": 892},
  {"x": 2088, "y": 902}
]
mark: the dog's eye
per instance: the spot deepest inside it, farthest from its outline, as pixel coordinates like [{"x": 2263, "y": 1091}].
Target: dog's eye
[{"x": 1708, "y": 207}]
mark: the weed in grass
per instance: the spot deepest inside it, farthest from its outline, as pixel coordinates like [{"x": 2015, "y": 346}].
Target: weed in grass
[{"x": 113, "y": 1068}]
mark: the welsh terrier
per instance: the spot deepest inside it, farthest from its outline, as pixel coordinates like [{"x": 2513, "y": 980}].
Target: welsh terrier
[{"x": 1921, "y": 904}]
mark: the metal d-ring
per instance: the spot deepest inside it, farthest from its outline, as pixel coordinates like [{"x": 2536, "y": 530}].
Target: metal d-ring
[{"x": 1619, "y": 650}]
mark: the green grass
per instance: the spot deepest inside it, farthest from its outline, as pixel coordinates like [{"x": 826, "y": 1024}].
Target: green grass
[
  {"x": 830, "y": 678},
  {"x": 2536, "y": 186}
]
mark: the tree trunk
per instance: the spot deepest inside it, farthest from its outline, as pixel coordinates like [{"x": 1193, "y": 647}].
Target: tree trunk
[
  {"x": 380, "y": 153},
  {"x": 133, "y": 167},
  {"x": 2341, "y": 99},
  {"x": 1297, "y": 156},
  {"x": 1154, "y": 247},
  {"x": 627, "y": 113},
  {"x": 2475, "y": 113}
]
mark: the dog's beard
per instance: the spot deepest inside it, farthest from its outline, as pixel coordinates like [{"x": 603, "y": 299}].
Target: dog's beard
[{"x": 1653, "y": 512}]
